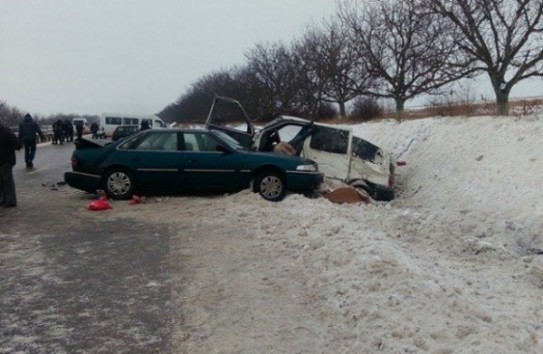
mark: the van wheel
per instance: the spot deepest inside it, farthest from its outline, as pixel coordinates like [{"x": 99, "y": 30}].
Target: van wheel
[
  {"x": 270, "y": 185},
  {"x": 119, "y": 183}
]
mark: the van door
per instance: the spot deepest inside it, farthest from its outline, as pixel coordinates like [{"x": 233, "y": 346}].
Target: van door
[{"x": 330, "y": 148}]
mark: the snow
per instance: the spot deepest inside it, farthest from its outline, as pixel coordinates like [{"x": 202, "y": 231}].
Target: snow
[{"x": 453, "y": 265}]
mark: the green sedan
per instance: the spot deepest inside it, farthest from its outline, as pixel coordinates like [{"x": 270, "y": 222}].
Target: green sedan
[{"x": 170, "y": 161}]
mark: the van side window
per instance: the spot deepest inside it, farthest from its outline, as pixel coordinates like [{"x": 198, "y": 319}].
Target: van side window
[
  {"x": 114, "y": 120},
  {"x": 131, "y": 121},
  {"x": 330, "y": 140}
]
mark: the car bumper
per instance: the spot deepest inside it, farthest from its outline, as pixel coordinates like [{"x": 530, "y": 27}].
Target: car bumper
[
  {"x": 83, "y": 181},
  {"x": 303, "y": 181}
]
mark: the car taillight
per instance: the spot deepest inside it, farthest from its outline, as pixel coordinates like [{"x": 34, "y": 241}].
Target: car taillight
[
  {"x": 391, "y": 181},
  {"x": 74, "y": 162}
]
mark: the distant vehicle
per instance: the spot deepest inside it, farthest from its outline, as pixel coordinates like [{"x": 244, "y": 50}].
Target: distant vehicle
[
  {"x": 186, "y": 160},
  {"x": 122, "y": 131},
  {"x": 339, "y": 153},
  {"x": 110, "y": 121}
]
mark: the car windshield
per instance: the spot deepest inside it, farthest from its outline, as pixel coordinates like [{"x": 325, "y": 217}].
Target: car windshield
[{"x": 231, "y": 142}]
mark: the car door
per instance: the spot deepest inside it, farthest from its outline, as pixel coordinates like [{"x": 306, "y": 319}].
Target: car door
[
  {"x": 155, "y": 159},
  {"x": 225, "y": 111},
  {"x": 210, "y": 165}
]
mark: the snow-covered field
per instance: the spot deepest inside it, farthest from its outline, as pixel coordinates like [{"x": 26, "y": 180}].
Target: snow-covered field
[{"x": 453, "y": 265}]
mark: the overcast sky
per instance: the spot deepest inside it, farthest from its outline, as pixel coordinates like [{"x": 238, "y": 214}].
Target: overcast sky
[
  {"x": 93, "y": 56},
  {"x": 138, "y": 56}
]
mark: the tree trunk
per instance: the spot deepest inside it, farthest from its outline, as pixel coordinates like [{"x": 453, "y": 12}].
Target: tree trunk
[
  {"x": 400, "y": 104},
  {"x": 342, "y": 111},
  {"x": 502, "y": 101},
  {"x": 501, "y": 90}
]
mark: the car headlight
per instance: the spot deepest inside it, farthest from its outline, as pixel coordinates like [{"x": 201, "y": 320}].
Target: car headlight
[{"x": 306, "y": 168}]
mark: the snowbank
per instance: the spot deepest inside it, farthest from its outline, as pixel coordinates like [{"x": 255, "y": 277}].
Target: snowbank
[{"x": 453, "y": 265}]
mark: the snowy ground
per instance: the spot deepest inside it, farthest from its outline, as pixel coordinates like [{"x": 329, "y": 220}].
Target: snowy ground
[{"x": 453, "y": 265}]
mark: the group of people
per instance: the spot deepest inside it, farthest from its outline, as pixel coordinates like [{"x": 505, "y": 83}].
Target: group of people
[
  {"x": 29, "y": 131},
  {"x": 62, "y": 131}
]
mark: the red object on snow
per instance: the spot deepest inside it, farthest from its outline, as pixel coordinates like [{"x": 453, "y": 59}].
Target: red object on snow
[
  {"x": 135, "y": 200},
  {"x": 401, "y": 163},
  {"x": 100, "y": 204}
]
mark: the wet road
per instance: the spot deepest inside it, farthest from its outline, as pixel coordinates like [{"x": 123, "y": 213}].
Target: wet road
[
  {"x": 73, "y": 284},
  {"x": 50, "y": 163}
]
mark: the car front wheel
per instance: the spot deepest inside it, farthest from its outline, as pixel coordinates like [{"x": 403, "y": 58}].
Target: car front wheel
[
  {"x": 270, "y": 185},
  {"x": 119, "y": 183}
]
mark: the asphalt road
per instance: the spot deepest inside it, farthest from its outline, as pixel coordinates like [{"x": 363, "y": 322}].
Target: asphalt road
[{"x": 70, "y": 284}]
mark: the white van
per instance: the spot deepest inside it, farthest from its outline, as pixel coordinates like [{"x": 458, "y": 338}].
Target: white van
[{"x": 110, "y": 121}]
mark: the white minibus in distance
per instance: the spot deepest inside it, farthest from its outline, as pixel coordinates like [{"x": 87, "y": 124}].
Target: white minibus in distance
[{"x": 110, "y": 121}]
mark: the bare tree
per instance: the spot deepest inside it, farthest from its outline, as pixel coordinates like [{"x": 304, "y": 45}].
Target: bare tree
[
  {"x": 405, "y": 46},
  {"x": 504, "y": 36},
  {"x": 9, "y": 116},
  {"x": 333, "y": 64},
  {"x": 278, "y": 69}
]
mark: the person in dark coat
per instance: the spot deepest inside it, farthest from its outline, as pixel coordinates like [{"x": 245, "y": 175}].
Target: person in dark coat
[
  {"x": 94, "y": 129},
  {"x": 8, "y": 144},
  {"x": 79, "y": 130},
  {"x": 68, "y": 130},
  {"x": 29, "y": 131},
  {"x": 58, "y": 132},
  {"x": 145, "y": 124}
]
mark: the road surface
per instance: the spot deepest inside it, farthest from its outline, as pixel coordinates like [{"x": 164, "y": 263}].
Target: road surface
[{"x": 73, "y": 284}]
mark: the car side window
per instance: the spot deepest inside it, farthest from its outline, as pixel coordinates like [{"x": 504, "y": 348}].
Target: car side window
[
  {"x": 190, "y": 142},
  {"x": 153, "y": 141},
  {"x": 330, "y": 140},
  {"x": 169, "y": 142},
  {"x": 200, "y": 142}
]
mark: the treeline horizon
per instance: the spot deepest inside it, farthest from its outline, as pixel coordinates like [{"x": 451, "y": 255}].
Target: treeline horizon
[{"x": 371, "y": 53}]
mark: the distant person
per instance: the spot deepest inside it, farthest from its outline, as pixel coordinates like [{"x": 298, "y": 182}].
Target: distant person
[
  {"x": 94, "y": 129},
  {"x": 29, "y": 131},
  {"x": 68, "y": 130},
  {"x": 58, "y": 132},
  {"x": 79, "y": 130},
  {"x": 8, "y": 144},
  {"x": 145, "y": 125}
]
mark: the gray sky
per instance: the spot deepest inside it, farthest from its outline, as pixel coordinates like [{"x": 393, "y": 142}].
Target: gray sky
[
  {"x": 93, "y": 56},
  {"x": 138, "y": 56}
]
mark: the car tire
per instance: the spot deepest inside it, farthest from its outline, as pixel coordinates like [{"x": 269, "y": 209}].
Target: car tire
[
  {"x": 119, "y": 183},
  {"x": 270, "y": 185}
]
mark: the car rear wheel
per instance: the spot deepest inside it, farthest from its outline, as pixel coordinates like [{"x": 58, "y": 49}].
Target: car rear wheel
[
  {"x": 119, "y": 183},
  {"x": 270, "y": 185}
]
